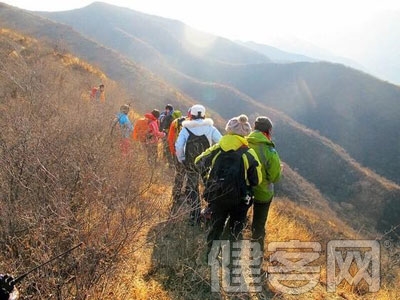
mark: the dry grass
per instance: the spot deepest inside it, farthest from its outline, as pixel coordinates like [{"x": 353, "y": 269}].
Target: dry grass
[
  {"x": 171, "y": 266},
  {"x": 63, "y": 179}
]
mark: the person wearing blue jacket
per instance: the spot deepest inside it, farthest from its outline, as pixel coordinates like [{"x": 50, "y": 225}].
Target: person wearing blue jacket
[{"x": 126, "y": 128}]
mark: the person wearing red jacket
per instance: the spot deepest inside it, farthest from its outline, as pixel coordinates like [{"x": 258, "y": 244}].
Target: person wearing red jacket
[{"x": 152, "y": 135}]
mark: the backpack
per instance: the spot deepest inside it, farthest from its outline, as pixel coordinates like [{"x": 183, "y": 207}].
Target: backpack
[
  {"x": 179, "y": 122},
  {"x": 165, "y": 122},
  {"x": 173, "y": 133},
  {"x": 226, "y": 184},
  {"x": 141, "y": 130},
  {"x": 195, "y": 145}
]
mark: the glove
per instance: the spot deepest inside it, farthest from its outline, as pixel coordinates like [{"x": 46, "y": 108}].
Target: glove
[
  {"x": 248, "y": 197},
  {"x": 6, "y": 286}
]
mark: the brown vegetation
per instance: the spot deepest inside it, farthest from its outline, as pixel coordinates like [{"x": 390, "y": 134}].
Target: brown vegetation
[{"x": 63, "y": 179}]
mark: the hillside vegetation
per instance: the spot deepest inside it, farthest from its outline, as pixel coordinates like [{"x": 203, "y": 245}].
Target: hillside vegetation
[
  {"x": 144, "y": 88},
  {"x": 63, "y": 181},
  {"x": 62, "y": 178}
]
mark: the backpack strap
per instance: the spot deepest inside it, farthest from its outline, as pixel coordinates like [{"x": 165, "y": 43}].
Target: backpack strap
[
  {"x": 246, "y": 162},
  {"x": 190, "y": 133},
  {"x": 179, "y": 123}
]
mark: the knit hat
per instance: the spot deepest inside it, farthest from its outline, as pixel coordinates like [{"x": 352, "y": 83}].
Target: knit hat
[
  {"x": 156, "y": 113},
  {"x": 239, "y": 125},
  {"x": 263, "y": 124},
  {"x": 170, "y": 107}
]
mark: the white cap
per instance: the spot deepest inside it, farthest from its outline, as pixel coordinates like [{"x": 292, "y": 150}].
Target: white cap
[{"x": 196, "y": 109}]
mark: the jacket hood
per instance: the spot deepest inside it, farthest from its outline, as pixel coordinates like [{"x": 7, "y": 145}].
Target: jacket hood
[
  {"x": 232, "y": 142},
  {"x": 257, "y": 137},
  {"x": 198, "y": 123},
  {"x": 150, "y": 116}
]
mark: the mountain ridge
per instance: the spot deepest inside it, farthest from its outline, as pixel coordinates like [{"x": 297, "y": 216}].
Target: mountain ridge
[{"x": 283, "y": 86}]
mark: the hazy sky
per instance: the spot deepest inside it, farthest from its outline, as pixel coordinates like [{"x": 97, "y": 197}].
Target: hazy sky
[{"x": 324, "y": 23}]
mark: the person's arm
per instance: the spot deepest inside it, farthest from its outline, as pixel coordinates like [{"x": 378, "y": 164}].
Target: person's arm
[
  {"x": 171, "y": 137},
  {"x": 154, "y": 130},
  {"x": 206, "y": 153},
  {"x": 274, "y": 166},
  {"x": 180, "y": 144},
  {"x": 254, "y": 170},
  {"x": 129, "y": 128},
  {"x": 216, "y": 136},
  {"x": 204, "y": 161}
]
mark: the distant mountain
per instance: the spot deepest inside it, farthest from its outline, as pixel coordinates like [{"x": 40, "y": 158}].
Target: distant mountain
[
  {"x": 152, "y": 66},
  {"x": 170, "y": 38},
  {"x": 307, "y": 49},
  {"x": 275, "y": 54},
  {"x": 351, "y": 108},
  {"x": 315, "y": 94},
  {"x": 374, "y": 48}
]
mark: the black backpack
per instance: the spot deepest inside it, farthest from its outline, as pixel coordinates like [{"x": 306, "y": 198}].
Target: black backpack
[
  {"x": 226, "y": 185},
  {"x": 195, "y": 145}
]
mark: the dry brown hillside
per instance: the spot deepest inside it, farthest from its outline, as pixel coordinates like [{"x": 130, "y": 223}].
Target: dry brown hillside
[{"x": 64, "y": 181}]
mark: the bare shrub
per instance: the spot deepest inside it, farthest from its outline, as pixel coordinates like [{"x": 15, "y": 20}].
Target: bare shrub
[{"x": 63, "y": 179}]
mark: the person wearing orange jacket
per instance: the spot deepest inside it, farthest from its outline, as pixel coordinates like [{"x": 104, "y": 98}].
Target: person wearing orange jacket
[{"x": 153, "y": 136}]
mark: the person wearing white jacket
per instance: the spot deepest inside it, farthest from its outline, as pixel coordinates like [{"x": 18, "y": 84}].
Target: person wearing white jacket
[{"x": 198, "y": 125}]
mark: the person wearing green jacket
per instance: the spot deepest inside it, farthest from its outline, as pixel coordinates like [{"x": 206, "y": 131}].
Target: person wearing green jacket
[
  {"x": 261, "y": 142},
  {"x": 223, "y": 206}
]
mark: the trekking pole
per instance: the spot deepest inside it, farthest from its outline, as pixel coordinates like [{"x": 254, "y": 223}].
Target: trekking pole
[{"x": 19, "y": 278}]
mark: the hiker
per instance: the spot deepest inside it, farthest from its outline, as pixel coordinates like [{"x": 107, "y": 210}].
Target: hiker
[
  {"x": 147, "y": 132},
  {"x": 180, "y": 171},
  {"x": 166, "y": 119},
  {"x": 98, "y": 94},
  {"x": 229, "y": 170},
  {"x": 125, "y": 126},
  {"x": 197, "y": 134},
  {"x": 7, "y": 289},
  {"x": 260, "y": 140}
]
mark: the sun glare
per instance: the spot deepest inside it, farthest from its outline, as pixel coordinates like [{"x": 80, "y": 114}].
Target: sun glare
[{"x": 196, "y": 42}]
